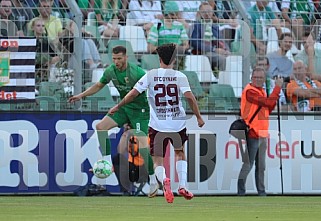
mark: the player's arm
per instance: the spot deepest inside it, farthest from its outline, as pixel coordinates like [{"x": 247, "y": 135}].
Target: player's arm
[
  {"x": 193, "y": 104},
  {"x": 127, "y": 99},
  {"x": 140, "y": 86},
  {"x": 90, "y": 91}
]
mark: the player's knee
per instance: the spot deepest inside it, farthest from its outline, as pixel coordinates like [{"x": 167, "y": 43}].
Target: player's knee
[
  {"x": 179, "y": 152},
  {"x": 99, "y": 126}
]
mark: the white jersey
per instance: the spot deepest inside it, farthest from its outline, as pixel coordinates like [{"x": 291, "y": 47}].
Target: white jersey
[{"x": 165, "y": 88}]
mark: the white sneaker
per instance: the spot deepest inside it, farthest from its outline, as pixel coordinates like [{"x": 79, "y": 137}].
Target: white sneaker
[{"x": 153, "y": 189}]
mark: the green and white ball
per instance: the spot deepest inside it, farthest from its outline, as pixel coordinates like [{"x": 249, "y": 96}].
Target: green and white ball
[{"x": 103, "y": 169}]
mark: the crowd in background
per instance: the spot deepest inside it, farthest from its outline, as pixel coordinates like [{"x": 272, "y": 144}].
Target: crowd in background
[{"x": 208, "y": 28}]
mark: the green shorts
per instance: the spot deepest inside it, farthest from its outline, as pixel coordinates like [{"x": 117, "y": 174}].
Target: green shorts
[{"x": 138, "y": 119}]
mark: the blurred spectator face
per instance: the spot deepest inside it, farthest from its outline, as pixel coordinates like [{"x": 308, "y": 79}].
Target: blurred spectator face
[
  {"x": 45, "y": 8},
  {"x": 299, "y": 71},
  {"x": 263, "y": 64},
  {"x": 172, "y": 15},
  {"x": 258, "y": 78},
  {"x": 120, "y": 60},
  {"x": 206, "y": 12},
  {"x": 5, "y": 9},
  {"x": 286, "y": 43},
  {"x": 39, "y": 27}
]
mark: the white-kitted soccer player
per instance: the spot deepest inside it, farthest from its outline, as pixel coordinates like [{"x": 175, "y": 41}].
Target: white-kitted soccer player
[{"x": 167, "y": 123}]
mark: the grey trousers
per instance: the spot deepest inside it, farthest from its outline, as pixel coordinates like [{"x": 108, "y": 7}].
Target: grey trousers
[
  {"x": 217, "y": 60},
  {"x": 255, "y": 151}
]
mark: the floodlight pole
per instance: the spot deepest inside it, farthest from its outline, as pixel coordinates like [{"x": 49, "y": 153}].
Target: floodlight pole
[{"x": 280, "y": 149}]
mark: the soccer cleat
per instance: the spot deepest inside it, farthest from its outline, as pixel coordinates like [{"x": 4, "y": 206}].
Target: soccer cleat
[
  {"x": 185, "y": 193},
  {"x": 153, "y": 190},
  {"x": 168, "y": 194}
]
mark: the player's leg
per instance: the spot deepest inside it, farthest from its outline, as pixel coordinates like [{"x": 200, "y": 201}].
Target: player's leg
[
  {"x": 181, "y": 164},
  {"x": 139, "y": 122},
  {"x": 107, "y": 123},
  {"x": 158, "y": 144}
]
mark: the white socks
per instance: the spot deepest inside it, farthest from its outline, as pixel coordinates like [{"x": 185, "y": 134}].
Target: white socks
[
  {"x": 181, "y": 169},
  {"x": 152, "y": 179},
  {"x": 160, "y": 173}
]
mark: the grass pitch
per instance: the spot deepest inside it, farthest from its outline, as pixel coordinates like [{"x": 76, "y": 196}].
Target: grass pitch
[{"x": 58, "y": 208}]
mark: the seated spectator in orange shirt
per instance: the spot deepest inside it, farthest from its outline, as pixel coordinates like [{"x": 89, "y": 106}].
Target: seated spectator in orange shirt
[{"x": 304, "y": 93}]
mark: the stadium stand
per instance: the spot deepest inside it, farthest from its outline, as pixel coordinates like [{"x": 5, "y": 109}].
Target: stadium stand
[{"x": 231, "y": 16}]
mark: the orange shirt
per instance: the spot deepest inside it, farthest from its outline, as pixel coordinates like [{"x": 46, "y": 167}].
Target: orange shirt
[
  {"x": 293, "y": 86},
  {"x": 252, "y": 98},
  {"x": 133, "y": 154}
]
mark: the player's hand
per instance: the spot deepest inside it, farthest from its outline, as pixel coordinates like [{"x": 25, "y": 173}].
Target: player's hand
[
  {"x": 200, "y": 122},
  {"x": 113, "y": 110},
  {"x": 74, "y": 99}
]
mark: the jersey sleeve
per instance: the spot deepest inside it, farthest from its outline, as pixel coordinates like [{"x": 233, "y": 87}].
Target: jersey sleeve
[
  {"x": 142, "y": 84},
  {"x": 184, "y": 84},
  {"x": 106, "y": 78}
]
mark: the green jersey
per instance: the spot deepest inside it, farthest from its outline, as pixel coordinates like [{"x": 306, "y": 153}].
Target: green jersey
[
  {"x": 164, "y": 35},
  {"x": 124, "y": 81},
  {"x": 107, "y": 10}
]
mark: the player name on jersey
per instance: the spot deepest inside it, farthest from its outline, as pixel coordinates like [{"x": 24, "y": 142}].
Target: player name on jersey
[
  {"x": 165, "y": 78},
  {"x": 167, "y": 109}
]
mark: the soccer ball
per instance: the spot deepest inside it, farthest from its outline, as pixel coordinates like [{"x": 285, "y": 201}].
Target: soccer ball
[{"x": 103, "y": 169}]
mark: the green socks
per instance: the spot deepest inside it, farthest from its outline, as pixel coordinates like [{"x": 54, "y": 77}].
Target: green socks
[
  {"x": 148, "y": 161},
  {"x": 104, "y": 142}
]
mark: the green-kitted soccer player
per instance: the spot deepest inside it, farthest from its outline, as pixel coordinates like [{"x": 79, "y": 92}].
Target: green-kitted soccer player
[{"x": 124, "y": 75}]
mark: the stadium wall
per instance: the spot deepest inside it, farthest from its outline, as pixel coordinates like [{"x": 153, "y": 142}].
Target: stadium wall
[{"x": 52, "y": 152}]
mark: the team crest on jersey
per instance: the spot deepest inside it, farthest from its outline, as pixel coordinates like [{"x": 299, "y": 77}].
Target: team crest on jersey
[{"x": 126, "y": 79}]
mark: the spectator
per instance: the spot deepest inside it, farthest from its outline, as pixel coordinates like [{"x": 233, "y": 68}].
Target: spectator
[
  {"x": 297, "y": 14},
  {"x": 168, "y": 30},
  {"x": 62, "y": 10},
  {"x": 254, "y": 99},
  {"x": 144, "y": 12},
  {"x": 310, "y": 56},
  {"x": 225, "y": 15},
  {"x": 261, "y": 18},
  {"x": 53, "y": 25},
  {"x": 7, "y": 25},
  {"x": 304, "y": 93},
  {"x": 108, "y": 13},
  {"x": 189, "y": 9},
  {"x": 206, "y": 38},
  {"x": 45, "y": 56},
  {"x": 85, "y": 7},
  {"x": 225, "y": 10},
  {"x": 273, "y": 4},
  {"x": 280, "y": 64},
  {"x": 90, "y": 55},
  {"x": 22, "y": 15}
]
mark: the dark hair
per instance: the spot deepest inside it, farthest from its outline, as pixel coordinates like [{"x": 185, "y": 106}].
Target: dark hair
[
  {"x": 119, "y": 49},
  {"x": 283, "y": 35},
  {"x": 262, "y": 59},
  {"x": 167, "y": 53}
]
